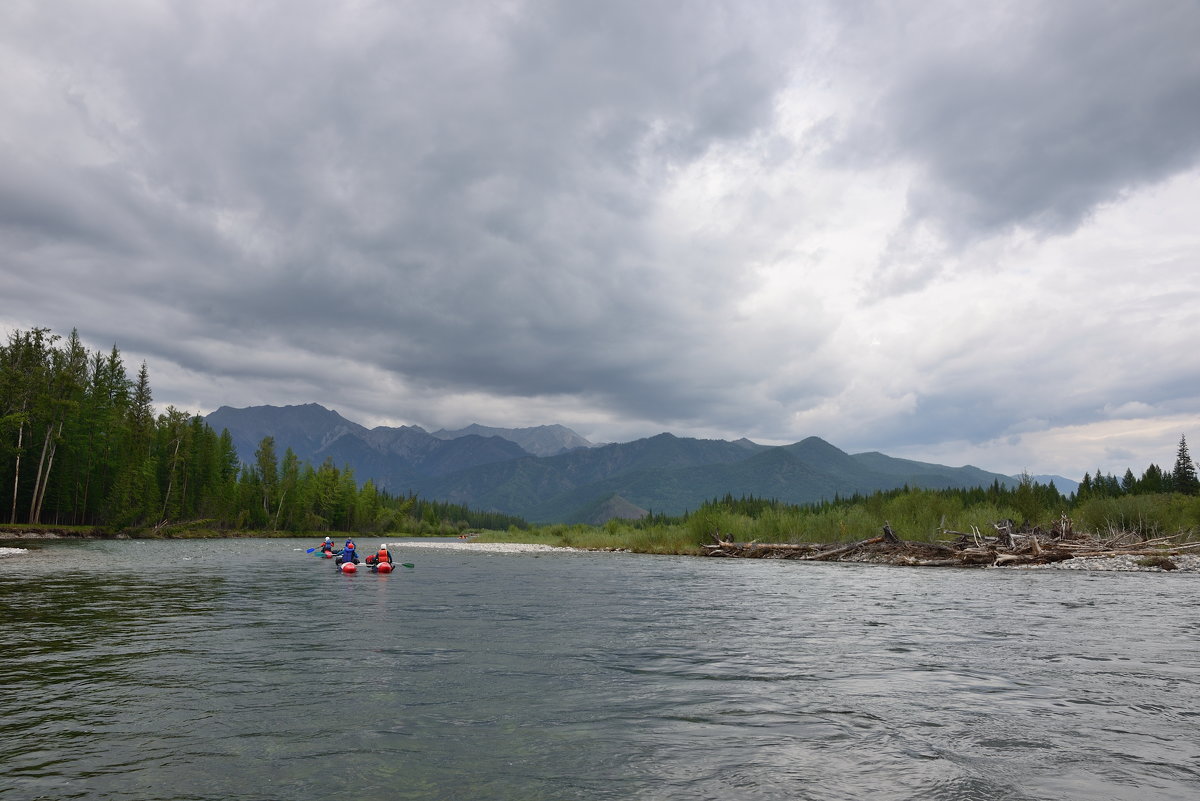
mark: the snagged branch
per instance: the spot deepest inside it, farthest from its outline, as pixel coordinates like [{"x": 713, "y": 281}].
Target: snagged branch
[{"x": 1009, "y": 547}]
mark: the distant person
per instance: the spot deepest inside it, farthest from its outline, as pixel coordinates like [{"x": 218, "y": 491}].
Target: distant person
[
  {"x": 327, "y": 546},
  {"x": 347, "y": 554},
  {"x": 381, "y": 556}
]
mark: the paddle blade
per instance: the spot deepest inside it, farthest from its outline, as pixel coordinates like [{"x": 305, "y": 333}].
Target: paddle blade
[
  {"x": 408, "y": 564},
  {"x": 310, "y": 550}
]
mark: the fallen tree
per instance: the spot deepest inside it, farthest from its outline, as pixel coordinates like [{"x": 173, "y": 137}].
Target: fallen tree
[{"x": 1007, "y": 547}]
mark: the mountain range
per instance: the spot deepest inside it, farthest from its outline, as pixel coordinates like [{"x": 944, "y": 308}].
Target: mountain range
[{"x": 551, "y": 474}]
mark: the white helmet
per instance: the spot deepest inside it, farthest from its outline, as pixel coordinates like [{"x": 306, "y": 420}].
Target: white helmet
[
  {"x": 329, "y": 539},
  {"x": 383, "y": 546}
]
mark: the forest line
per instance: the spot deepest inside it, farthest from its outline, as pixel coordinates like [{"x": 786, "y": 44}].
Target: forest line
[{"x": 81, "y": 445}]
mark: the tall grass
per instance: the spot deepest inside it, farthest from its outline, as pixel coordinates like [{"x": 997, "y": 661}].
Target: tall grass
[
  {"x": 614, "y": 535},
  {"x": 919, "y": 515},
  {"x": 1147, "y": 515}
]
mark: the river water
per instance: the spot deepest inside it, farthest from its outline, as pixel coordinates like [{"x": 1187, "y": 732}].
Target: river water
[{"x": 245, "y": 669}]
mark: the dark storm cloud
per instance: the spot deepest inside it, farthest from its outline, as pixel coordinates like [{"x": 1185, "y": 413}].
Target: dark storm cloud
[
  {"x": 626, "y": 210},
  {"x": 1031, "y": 114},
  {"x": 458, "y": 194},
  {"x": 512, "y": 254}
]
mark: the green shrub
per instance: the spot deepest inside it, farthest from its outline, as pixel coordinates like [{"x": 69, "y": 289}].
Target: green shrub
[
  {"x": 704, "y": 523},
  {"x": 1149, "y": 516}
]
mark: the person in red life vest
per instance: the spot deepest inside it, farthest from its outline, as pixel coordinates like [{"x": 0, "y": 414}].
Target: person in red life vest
[
  {"x": 327, "y": 545},
  {"x": 380, "y": 556},
  {"x": 347, "y": 554}
]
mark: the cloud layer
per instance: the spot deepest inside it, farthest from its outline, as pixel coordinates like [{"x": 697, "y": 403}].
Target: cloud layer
[{"x": 954, "y": 234}]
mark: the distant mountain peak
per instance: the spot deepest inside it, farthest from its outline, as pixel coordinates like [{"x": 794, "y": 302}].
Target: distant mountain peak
[{"x": 547, "y": 440}]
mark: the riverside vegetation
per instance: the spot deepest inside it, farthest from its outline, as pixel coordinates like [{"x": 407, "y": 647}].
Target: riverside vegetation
[
  {"x": 82, "y": 452},
  {"x": 1158, "y": 506},
  {"x": 915, "y": 515}
]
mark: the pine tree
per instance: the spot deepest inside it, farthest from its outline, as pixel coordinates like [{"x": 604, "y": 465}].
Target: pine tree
[
  {"x": 1183, "y": 477},
  {"x": 135, "y": 495},
  {"x": 1153, "y": 481},
  {"x": 1085, "y": 487},
  {"x": 141, "y": 414}
]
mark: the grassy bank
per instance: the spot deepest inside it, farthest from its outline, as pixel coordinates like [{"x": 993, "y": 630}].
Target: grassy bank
[
  {"x": 659, "y": 539},
  {"x": 914, "y": 515}
]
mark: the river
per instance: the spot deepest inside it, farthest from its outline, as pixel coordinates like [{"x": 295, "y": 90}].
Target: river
[{"x": 246, "y": 669}]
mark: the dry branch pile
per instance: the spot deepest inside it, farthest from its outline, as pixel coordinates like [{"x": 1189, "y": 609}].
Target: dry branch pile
[{"x": 1007, "y": 546}]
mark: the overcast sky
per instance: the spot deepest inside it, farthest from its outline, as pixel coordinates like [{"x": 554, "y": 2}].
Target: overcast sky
[{"x": 954, "y": 232}]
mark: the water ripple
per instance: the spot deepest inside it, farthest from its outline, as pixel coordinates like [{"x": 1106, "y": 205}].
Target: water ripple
[{"x": 185, "y": 675}]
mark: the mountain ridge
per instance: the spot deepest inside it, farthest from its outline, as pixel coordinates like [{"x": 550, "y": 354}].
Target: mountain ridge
[
  {"x": 489, "y": 469},
  {"x": 547, "y": 440}
]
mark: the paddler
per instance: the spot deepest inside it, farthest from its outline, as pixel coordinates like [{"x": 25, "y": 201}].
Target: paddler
[
  {"x": 347, "y": 554},
  {"x": 381, "y": 556},
  {"x": 327, "y": 545}
]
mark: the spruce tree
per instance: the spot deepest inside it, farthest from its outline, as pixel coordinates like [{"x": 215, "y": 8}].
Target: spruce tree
[
  {"x": 1183, "y": 477},
  {"x": 1085, "y": 487},
  {"x": 1153, "y": 481}
]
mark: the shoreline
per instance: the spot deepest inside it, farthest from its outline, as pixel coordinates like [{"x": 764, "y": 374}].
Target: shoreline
[
  {"x": 492, "y": 547},
  {"x": 1184, "y": 563},
  {"x": 1123, "y": 564}
]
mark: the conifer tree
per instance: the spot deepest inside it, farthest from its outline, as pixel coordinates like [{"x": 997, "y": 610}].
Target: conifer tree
[
  {"x": 141, "y": 414},
  {"x": 1085, "y": 487},
  {"x": 1183, "y": 477},
  {"x": 1152, "y": 481}
]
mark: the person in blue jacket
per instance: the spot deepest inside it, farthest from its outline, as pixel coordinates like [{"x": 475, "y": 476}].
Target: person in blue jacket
[
  {"x": 327, "y": 545},
  {"x": 347, "y": 554}
]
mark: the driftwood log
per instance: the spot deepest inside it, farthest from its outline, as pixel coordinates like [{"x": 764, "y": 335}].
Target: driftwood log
[{"x": 965, "y": 549}]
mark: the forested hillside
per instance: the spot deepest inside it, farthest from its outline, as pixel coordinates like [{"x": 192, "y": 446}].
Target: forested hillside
[
  {"x": 80, "y": 444},
  {"x": 483, "y": 468}
]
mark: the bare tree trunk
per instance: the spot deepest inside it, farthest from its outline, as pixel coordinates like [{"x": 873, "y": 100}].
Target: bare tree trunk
[
  {"x": 81, "y": 513},
  {"x": 171, "y": 481},
  {"x": 183, "y": 491},
  {"x": 17, "y": 472},
  {"x": 45, "y": 479},
  {"x": 279, "y": 509},
  {"x": 37, "y": 482}
]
